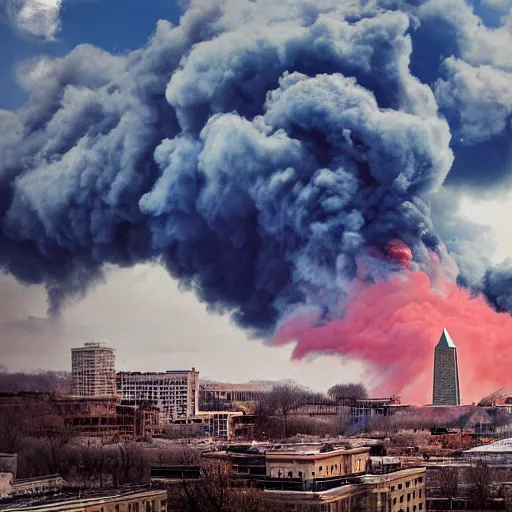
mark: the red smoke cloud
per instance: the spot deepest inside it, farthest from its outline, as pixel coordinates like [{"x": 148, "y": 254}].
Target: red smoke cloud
[
  {"x": 399, "y": 251},
  {"x": 395, "y": 325}
]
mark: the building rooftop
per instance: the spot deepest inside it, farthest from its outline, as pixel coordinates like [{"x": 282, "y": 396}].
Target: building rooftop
[
  {"x": 167, "y": 372},
  {"x": 503, "y": 395},
  {"x": 312, "y": 449},
  {"x": 503, "y": 446},
  {"x": 72, "y": 501},
  {"x": 445, "y": 341},
  {"x": 93, "y": 345}
]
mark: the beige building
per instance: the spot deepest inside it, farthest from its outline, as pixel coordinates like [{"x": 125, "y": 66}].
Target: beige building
[
  {"x": 141, "y": 501},
  {"x": 93, "y": 370},
  {"x": 398, "y": 491},
  {"x": 175, "y": 392},
  {"x": 311, "y": 462}
]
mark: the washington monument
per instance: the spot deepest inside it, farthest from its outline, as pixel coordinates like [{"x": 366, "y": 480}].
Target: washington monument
[{"x": 446, "y": 372}]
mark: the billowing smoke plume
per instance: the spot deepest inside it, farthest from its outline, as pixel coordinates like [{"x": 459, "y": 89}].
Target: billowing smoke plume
[{"x": 272, "y": 155}]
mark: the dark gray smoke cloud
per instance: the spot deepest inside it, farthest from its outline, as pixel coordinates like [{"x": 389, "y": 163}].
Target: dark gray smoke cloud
[{"x": 258, "y": 148}]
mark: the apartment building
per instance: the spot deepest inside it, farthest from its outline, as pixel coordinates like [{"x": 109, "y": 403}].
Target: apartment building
[
  {"x": 399, "y": 491},
  {"x": 174, "y": 392},
  {"x": 330, "y": 479},
  {"x": 322, "y": 477},
  {"x": 93, "y": 370}
]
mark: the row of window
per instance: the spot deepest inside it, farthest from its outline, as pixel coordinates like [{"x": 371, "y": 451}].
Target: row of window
[
  {"x": 148, "y": 506},
  {"x": 416, "y": 481},
  {"x": 410, "y": 495}
]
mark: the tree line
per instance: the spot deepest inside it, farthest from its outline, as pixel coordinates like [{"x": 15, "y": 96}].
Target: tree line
[{"x": 36, "y": 381}]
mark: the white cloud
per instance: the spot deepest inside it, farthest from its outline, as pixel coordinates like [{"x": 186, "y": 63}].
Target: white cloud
[
  {"x": 495, "y": 212},
  {"x": 499, "y": 4},
  {"x": 38, "y": 17}
]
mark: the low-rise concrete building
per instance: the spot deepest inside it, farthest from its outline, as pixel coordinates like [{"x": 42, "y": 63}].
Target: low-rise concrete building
[
  {"x": 398, "y": 491},
  {"x": 218, "y": 424},
  {"x": 102, "y": 417},
  {"x": 121, "y": 501},
  {"x": 326, "y": 478},
  {"x": 217, "y": 396},
  {"x": 175, "y": 392},
  {"x": 10, "y": 487}
]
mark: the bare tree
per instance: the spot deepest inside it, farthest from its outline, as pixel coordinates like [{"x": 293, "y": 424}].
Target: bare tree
[
  {"x": 448, "y": 482},
  {"x": 39, "y": 381},
  {"x": 133, "y": 465},
  {"x": 51, "y": 441},
  {"x": 13, "y": 422},
  {"x": 216, "y": 491},
  {"x": 381, "y": 424},
  {"x": 479, "y": 482},
  {"x": 84, "y": 465},
  {"x": 341, "y": 392},
  {"x": 283, "y": 399}
]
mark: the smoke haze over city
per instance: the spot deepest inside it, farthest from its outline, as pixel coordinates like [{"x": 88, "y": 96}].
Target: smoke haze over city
[{"x": 298, "y": 165}]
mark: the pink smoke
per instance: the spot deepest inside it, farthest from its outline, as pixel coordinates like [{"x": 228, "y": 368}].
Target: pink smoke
[{"x": 395, "y": 324}]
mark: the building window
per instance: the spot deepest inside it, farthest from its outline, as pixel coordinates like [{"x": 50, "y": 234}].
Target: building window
[
  {"x": 290, "y": 474},
  {"x": 399, "y": 486},
  {"x": 420, "y": 506}
]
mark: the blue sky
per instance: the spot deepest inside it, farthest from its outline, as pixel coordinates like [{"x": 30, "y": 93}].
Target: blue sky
[{"x": 114, "y": 25}]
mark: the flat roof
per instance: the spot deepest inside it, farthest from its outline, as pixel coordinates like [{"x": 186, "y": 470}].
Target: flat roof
[
  {"x": 159, "y": 374},
  {"x": 61, "y": 504},
  {"x": 314, "y": 452},
  {"x": 503, "y": 446}
]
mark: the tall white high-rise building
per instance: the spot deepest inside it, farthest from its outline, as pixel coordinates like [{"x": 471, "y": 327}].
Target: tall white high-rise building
[
  {"x": 175, "y": 392},
  {"x": 93, "y": 370}
]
